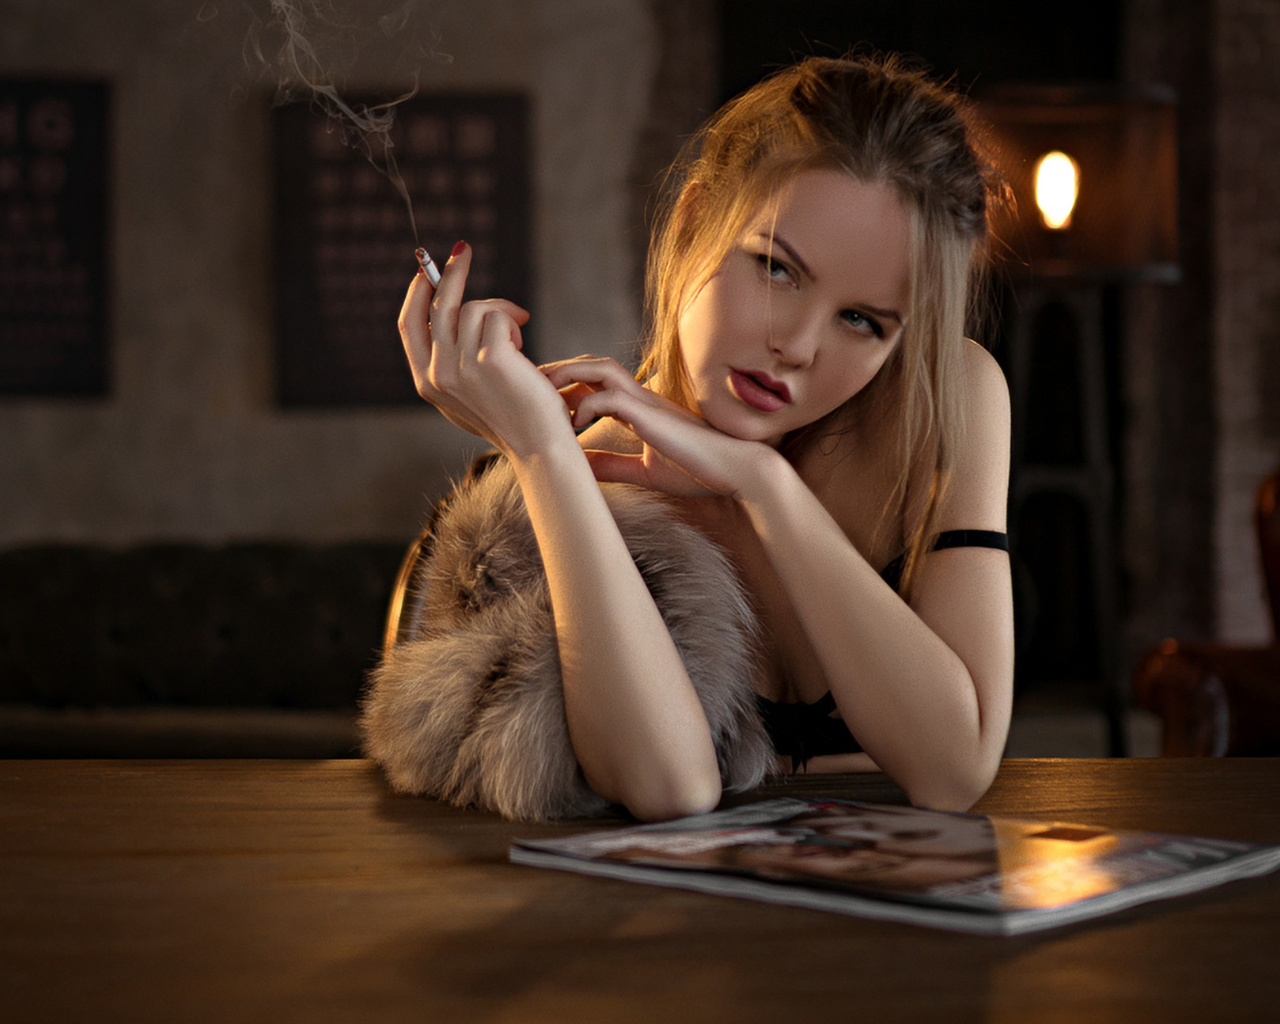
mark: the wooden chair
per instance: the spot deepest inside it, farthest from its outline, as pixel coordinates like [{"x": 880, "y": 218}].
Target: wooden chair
[
  {"x": 1218, "y": 700},
  {"x": 404, "y": 611}
]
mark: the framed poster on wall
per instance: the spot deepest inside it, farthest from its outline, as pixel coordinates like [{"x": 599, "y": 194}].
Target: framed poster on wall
[
  {"x": 53, "y": 237},
  {"x": 347, "y": 220}
]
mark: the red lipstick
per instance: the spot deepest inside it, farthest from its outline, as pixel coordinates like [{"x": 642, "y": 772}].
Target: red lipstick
[{"x": 759, "y": 390}]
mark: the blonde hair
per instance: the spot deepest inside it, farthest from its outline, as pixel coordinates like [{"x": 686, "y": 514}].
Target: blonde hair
[{"x": 882, "y": 123}]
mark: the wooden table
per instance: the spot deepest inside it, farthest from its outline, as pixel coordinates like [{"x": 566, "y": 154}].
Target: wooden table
[{"x": 289, "y": 890}]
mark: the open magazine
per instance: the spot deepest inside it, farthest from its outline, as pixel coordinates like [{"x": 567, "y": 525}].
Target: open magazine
[{"x": 965, "y": 872}]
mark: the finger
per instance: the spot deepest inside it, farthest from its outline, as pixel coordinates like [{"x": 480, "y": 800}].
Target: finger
[
  {"x": 573, "y": 394},
  {"x": 578, "y": 379},
  {"x": 415, "y": 336},
  {"x": 520, "y": 316},
  {"x": 593, "y": 404},
  {"x": 474, "y": 315},
  {"x": 597, "y": 370},
  {"x": 498, "y": 333},
  {"x": 633, "y": 405},
  {"x": 412, "y": 322},
  {"x": 517, "y": 313},
  {"x": 504, "y": 306},
  {"x": 447, "y": 300}
]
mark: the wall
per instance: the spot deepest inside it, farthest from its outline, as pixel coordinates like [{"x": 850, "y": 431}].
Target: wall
[
  {"x": 1203, "y": 359},
  {"x": 1247, "y": 284},
  {"x": 1170, "y": 423},
  {"x": 189, "y": 444}
]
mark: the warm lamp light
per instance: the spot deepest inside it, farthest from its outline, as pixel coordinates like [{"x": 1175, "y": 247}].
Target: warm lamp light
[
  {"x": 1113, "y": 146},
  {"x": 1062, "y": 306},
  {"x": 1057, "y": 185}
]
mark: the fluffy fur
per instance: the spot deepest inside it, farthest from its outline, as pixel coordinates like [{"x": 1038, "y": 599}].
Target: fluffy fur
[{"x": 468, "y": 707}]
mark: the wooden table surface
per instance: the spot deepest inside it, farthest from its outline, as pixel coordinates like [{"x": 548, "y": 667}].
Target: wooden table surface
[{"x": 294, "y": 890}]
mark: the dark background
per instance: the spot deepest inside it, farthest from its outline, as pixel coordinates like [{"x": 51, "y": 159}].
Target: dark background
[
  {"x": 976, "y": 45},
  {"x": 974, "y": 42}
]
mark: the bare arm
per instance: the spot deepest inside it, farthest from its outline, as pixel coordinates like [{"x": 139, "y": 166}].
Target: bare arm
[
  {"x": 926, "y": 688},
  {"x": 636, "y": 724}
]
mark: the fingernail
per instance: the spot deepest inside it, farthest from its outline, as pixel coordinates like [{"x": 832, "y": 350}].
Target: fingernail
[{"x": 457, "y": 249}]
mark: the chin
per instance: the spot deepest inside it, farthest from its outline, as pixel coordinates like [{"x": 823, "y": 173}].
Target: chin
[
  {"x": 748, "y": 429},
  {"x": 737, "y": 420}
]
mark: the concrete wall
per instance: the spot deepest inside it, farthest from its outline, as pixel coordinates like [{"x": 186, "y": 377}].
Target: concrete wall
[
  {"x": 1170, "y": 423},
  {"x": 1247, "y": 286},
  {"x": 1202, "y": 362},
  {"x": 189, "y": 444}
]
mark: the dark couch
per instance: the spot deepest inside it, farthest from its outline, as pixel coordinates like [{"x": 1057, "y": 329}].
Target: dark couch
[{"x": 183, "y": 650}]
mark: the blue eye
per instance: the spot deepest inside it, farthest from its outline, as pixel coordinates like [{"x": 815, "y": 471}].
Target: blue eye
[
  {"x": 863, "y": 323},
  {"x": 776, "y": 270}
]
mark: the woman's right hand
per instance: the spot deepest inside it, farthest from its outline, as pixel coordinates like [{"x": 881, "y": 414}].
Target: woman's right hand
[{"x": 466, "y": 360}]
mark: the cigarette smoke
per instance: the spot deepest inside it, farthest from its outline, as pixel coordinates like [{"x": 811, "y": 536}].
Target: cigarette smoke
[{"x": 310, "y": 46}]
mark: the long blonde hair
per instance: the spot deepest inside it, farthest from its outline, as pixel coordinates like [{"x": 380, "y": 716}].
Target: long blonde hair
[{"x": 882, "y": 123}]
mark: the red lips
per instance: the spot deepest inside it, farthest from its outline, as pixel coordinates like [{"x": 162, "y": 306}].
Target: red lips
[{"x": 759, "y": 390}]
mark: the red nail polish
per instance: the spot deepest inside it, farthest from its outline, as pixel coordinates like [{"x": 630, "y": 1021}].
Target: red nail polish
[{"x": 457, "y": 249}]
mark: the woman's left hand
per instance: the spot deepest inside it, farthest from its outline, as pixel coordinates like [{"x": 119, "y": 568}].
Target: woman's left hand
[{"x": 682, "y": 454}]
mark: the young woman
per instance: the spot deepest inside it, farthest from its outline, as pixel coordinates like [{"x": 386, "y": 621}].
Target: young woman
[{"x": 807, "y": 401}]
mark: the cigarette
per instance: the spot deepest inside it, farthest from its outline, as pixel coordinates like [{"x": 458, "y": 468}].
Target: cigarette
[{"x": 428, "y": 266}]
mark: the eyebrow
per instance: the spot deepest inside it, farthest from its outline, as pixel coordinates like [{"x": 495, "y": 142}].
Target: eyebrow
[{"x": 798, "y": 260}]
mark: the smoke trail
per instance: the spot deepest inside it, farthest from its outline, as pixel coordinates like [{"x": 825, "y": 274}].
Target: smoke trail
[{"x": 309, "y": 45}]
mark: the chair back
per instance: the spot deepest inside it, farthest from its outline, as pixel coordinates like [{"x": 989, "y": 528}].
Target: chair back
[
  {"x": 1267, "y": 520},
  {"x": 404, "y": 611}
]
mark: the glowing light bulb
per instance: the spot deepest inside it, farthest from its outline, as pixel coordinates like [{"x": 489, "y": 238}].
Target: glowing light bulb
[{"x": 1057, "y": 185}]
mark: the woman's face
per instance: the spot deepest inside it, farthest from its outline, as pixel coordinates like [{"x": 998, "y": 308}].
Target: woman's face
[{"x": 806, "y": 307}]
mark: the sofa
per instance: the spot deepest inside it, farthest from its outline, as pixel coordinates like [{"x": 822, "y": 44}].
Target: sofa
[{"x": 189, "y": 649}]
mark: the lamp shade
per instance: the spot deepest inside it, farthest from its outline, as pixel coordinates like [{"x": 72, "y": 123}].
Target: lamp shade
[{"x": 1122, "y": 140}]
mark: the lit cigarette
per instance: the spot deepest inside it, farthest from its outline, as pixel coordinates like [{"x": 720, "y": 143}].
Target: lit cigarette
[{"x": 428, "y": 266}]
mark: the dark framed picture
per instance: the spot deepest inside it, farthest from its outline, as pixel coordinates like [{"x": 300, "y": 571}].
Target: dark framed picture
[
  {"x": 351, "y": 207},
  {"x": 54, "y": 281}
]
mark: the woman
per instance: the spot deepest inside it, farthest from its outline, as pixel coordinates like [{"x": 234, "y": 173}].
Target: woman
[{"x": 808, "y": 401}]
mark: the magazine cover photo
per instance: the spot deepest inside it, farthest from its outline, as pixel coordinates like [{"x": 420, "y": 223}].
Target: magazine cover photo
[{"x": 969, "y": 872}]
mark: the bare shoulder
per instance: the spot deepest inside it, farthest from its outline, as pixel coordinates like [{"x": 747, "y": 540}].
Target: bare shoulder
[
  {"x": 979, "y": 488},
  {"x": 985, "y": 389}
]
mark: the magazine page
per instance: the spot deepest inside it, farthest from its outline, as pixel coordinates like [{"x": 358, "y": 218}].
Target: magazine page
[{"x": 963, "y": 871}]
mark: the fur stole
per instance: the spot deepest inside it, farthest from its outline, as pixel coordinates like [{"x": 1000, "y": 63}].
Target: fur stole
[{"x": 468, "y": 706}]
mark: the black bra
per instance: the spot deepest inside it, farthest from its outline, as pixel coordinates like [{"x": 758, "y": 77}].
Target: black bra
[{"x": 801, "y": 731}]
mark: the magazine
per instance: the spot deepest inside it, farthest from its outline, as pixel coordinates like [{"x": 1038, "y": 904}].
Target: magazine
[{"x": 964, "y": 872}]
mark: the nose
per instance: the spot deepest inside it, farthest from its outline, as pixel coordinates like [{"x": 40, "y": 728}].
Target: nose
[{"x": 794, "y": 340}]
